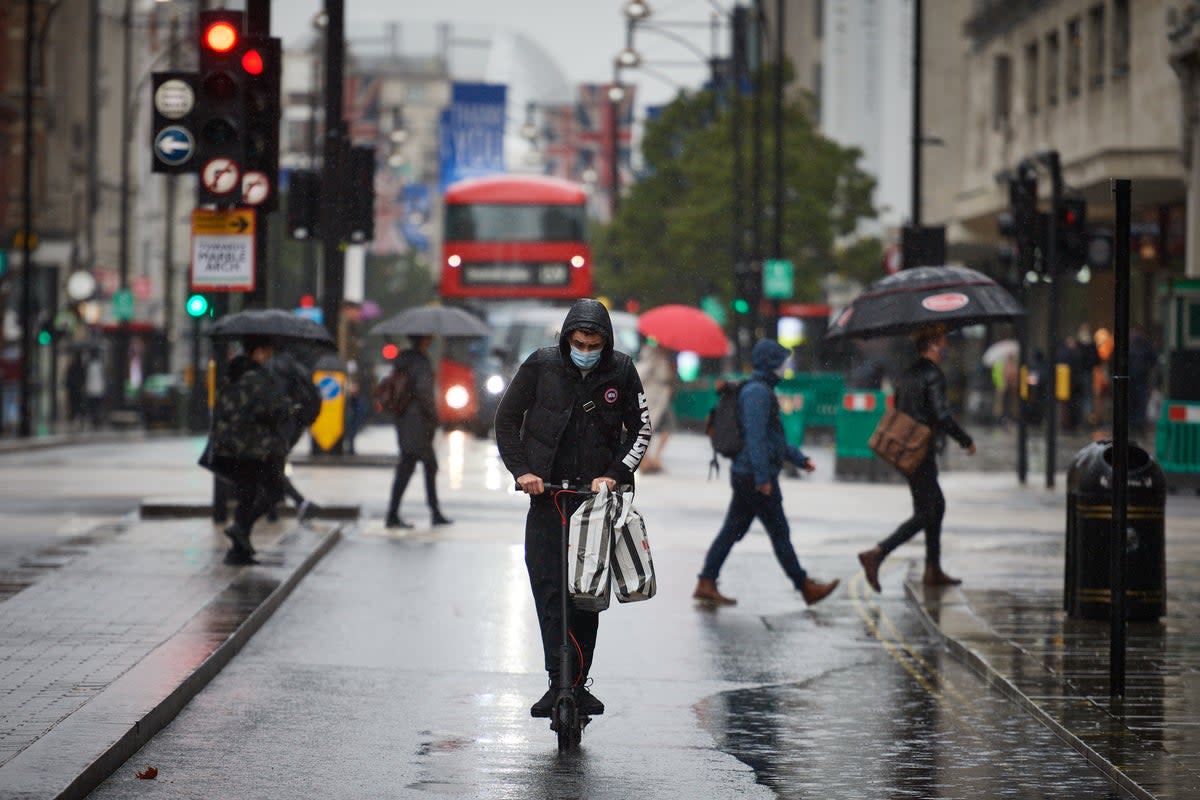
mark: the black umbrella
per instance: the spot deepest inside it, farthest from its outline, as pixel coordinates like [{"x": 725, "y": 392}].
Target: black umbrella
[
  {"x": 914, "y": 298},
  {"x": 431, "y": 321},
  {"x": 273, "y": 322}
]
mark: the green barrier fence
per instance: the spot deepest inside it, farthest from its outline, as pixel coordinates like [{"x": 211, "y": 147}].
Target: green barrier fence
[
  {"x": 1177, "y": 442},
  {"x": 858, "y": 414},
  {"x": 825, "y": 395},
  {"x": 694, "y": 400}
]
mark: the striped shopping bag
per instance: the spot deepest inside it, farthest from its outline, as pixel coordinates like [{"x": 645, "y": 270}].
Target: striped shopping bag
[
  {"x": 632, "y": 566},
  {"x": 589, "y": 551}
]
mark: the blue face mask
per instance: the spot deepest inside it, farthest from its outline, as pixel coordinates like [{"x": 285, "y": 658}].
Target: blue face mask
[{"x": 586, "y": 359}]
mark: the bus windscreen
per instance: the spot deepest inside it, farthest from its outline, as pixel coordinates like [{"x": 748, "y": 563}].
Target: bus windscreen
[{"x": 515, "y": 223}]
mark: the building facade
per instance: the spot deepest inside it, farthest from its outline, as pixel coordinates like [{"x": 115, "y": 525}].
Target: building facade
[{"x": 1090, "y": 79}]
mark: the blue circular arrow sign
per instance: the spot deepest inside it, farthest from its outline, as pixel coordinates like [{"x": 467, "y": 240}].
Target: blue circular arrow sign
[{"x": 174, "y": 145}]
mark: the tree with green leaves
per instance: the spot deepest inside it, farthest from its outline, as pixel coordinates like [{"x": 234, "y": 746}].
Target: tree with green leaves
[{"x": 673, "y": 238}]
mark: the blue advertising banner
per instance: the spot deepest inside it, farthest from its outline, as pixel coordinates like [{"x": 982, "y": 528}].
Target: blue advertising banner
[{"x": 472, "y": 132}]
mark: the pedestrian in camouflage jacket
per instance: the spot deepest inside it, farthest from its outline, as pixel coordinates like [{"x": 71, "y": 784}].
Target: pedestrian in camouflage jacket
[
  {"x": 252, "y": 421},
  {"x": 250, "y": 437}
]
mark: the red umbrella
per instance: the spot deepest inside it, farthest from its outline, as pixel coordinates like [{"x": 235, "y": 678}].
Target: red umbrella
[{"x": 678, "y": 327}]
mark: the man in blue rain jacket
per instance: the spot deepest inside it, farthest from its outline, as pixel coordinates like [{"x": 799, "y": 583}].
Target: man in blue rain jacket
[{"x": 755, "y": 480}]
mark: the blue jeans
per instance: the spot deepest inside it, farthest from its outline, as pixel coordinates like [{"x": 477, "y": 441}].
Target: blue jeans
[{"x": 746, "y": 504}]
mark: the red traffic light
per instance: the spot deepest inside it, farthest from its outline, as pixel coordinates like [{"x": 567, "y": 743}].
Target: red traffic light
[
  {"x": 252, "y": 62},
  {"x": 390, "y": 351},
  {"x": 220, "y": 37}
]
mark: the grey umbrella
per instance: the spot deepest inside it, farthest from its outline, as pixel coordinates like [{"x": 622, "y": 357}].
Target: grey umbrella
[
  {"x": 273, "y": 322},
  {"x": 431, "y": 321}
]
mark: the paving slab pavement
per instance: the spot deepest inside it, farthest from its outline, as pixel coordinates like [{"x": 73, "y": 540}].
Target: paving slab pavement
[
  {"x": 101, "y": 653},
  {"x": 1008, "y": 624}
]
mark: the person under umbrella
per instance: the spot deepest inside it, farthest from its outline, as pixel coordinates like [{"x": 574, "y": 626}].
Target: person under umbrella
[
  {"x": 249, "y": 439},
  {"x": 921, "y": 393},
  {"x": 416, "y": 418}
]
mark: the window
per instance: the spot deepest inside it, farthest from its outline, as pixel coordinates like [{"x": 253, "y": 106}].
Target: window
[
  {"x": 1120, "y": 38},
  {"x": 1074, "y": 57},
  {"x": 1052, "y": 68},
  {"x": 514, "y": 223},
  {"x": 1096, "y": 46},
  {"x": 819, "y": 19},
  {"x": 1032, "y": 86},
  {"x": 1001, "y": 91}
]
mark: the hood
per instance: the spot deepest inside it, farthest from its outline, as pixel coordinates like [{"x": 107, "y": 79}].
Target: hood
[
  {"x": 591, "y": 316},
  {"x": 240, "y": 365},
  {"x": 768, "y": 355}
]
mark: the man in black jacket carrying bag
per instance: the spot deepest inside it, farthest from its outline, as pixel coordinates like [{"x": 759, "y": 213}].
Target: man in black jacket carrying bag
[
  {"x": 921, "y": 393},
  {"x": 573, "y": 413}
]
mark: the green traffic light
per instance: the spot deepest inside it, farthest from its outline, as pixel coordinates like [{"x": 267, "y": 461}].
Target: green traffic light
[
  {"x": 197, "y": 305},
  {"x": 44, "y": 338},
  {"x": 740, "y": 306}
]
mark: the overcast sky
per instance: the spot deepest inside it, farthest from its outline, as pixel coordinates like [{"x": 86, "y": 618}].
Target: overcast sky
[{"x": 583, "y": 36}]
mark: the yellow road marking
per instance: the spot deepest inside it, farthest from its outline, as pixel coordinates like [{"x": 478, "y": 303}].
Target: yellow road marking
[{"x": 903, "y": 654}]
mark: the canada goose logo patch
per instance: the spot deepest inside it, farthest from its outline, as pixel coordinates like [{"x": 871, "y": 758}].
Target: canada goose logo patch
[{"x": 611, "y": 394}]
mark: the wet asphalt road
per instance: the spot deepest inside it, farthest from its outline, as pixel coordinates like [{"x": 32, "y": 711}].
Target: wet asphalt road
[{"x": 403, "y": 667}]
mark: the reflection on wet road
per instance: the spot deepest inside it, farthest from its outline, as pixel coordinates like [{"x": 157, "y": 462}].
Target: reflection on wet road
[{"x": 909, "y": 721}]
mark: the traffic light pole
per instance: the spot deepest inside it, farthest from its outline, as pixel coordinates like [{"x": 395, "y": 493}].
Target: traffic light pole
[
  {"x": 1051, "y": 160},
  {"x": 258, "y": 23},
  {"x": 333, "y": 283}
]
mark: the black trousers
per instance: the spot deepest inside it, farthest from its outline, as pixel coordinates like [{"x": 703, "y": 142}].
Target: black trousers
[
  {"x": 404, "y": 472},
  {"x": 543, "y": 560},
  {"x": 929, "y": 506},
  {"x": 258, "y": 486}
]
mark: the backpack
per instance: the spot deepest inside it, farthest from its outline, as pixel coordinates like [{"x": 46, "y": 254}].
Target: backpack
[
  {"x": 723, "y": 427},
  {"x": 309, "y": 399},
  {"x": 394, "y": 393}
]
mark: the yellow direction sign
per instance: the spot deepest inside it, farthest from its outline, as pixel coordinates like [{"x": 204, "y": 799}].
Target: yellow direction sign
[
  {"x": 223, "y": 250},
  {"x": 330, "y": 424}
]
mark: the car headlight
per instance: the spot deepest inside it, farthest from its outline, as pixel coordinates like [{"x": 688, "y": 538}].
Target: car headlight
[
  {"x": 457, "y": 397},
  {"x": 494, "y": 384}
]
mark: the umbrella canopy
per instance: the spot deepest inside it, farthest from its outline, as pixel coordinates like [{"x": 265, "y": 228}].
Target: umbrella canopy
[
  {"x": 431, "y": 321},
  {"x": 999, "y": 351},
  {"x": 914, "y": 298},
  {"x": 273, "y": 322},
  {"x": 679, "y": 327}
]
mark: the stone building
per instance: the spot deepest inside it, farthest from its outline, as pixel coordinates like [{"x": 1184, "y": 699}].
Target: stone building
[{"x": 1089, "y": 78}]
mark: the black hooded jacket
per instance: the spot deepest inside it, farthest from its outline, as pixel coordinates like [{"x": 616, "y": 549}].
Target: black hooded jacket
[{"x": 560, "y": 424}]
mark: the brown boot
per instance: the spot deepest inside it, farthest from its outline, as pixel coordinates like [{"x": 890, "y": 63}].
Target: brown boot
[
  {"x": 870, "y": 560},
  {"x": 706, "y": 592},
  {"x": 935, "y": 577},
  {"x": 815, "y": 591}
]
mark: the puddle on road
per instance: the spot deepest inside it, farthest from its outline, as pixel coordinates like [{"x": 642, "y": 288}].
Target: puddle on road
[{"x": 874, "y": 731}]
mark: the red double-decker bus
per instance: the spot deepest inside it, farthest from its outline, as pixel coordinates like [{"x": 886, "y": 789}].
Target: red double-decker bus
[{"x": 516, "y": 236}]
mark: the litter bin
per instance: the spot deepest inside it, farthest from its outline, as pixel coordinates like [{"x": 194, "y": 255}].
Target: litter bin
[{"x": 1086, "y": 592}]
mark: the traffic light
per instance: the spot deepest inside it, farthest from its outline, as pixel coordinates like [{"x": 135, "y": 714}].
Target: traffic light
[
  {"x": 360, "y": 196},
  {"x": 1025, "y": 223},
  {"x": 923, "y": 246},
  {"x": 1072, "y": 233},
  {"x": 197, "y": 305},
  {"x": 220, "y": 108},
  {"x": 747, "y": 289},
  {"x": 261, "y": 68},
  {"x": 45, "y": 334},
  {"x": 303, "y": 204}
]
